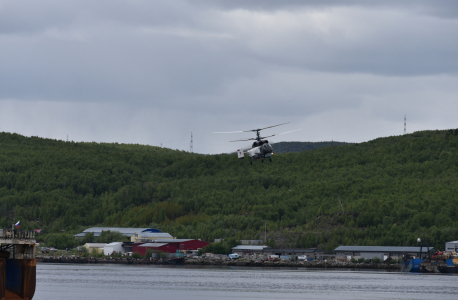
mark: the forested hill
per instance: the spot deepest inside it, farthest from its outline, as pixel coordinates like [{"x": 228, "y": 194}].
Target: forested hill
[
  {"x": 285, "y": 147},
  {"x": 392, "y": 191}
]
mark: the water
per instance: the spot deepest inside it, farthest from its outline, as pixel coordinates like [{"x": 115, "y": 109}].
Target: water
[{"x": 75, "y": 281}]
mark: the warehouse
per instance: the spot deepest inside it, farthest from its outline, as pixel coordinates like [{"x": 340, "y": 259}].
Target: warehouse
[
  {"x": 132, "y": 233},
  {"x": 184, "y": 244},
  {"x": 451, "y": 246},
  {"x": 382, "y": 252},
  {"x": 112, "y": 248},
  {"x": 248, "y": 249},
  {"x": 309, "y": 252},
  {"x": 164, "y": 247},
  {"x": 147, "y": 236}
]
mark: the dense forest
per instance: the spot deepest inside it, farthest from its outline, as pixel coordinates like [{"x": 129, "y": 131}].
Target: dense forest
[
  {"x": 388, "y": 191},
  {"x": 286, "y": 147}
]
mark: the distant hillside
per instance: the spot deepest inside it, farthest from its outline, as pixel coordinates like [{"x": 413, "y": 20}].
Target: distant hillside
[
  {"x": 286, "y": 147},
  {"x": 392, "y": 190}
]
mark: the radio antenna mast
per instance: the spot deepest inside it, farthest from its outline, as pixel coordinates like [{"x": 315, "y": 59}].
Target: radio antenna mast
[
  {"x": 191, "y": 147},
  {"x": 405, "y": 124}
]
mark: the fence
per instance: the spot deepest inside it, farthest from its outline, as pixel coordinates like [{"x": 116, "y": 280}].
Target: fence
[{"x": 16, "y": 234}]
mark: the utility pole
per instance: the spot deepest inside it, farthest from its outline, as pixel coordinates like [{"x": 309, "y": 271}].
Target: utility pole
[
  {"x": 191, "y": 148},
  {"x": 405, "y": 124},
  {"x": 332, "y": 147}
]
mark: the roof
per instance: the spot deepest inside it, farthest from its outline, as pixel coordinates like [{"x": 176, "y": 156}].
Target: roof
[
  {"x": 126, "y": 231},
  {"x": 154, "y": 234},
  {"x": 380, "y": 249},
  {"x": 249, "y": 247},
  {"x": 155, "y": 245},
  {"x": 452, "y": 242},
  {"x": 172, "y": 240},
  {"x": 295, "y": 250},
  {"x": 113, "y": 244},
  {"x": 96, "y": 245}
]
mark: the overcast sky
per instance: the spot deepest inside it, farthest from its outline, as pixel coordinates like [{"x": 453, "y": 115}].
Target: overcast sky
[{"x": 150, "y": 72}]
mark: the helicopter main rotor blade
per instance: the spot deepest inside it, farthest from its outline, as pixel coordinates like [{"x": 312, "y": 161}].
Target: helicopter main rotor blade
[
  {"x": 254, "y": 130},
  {"x": 243, "y": 140},
  {"x": 229, "y": 132},
  {"x": 284, "y": 132},
  {"x": 267, "y": 136}
]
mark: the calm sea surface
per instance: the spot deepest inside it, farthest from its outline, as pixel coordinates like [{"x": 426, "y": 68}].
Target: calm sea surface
[{"x": 74, "y": 281}]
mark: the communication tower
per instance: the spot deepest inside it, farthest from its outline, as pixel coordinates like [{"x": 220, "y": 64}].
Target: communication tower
[
  {"x": 405, "y": 124},
  {"x": 191, "y": 147}
]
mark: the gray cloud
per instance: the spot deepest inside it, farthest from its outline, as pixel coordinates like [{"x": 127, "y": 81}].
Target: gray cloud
[{"x": 152, "y": 71}]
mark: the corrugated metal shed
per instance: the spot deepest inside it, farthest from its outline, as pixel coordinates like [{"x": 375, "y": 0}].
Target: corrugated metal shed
[
  {"x": 451, "y": 246},
  {"x": 249, "y": 247},
  {"x": 379, "y": 249},
  {"x": 292, "y": 250}
]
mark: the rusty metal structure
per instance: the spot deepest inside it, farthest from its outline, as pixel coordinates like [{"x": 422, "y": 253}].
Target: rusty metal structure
[{"x": 17, "y": 264}]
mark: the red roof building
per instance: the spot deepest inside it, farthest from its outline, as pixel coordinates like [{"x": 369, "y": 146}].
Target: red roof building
[
  {"x": 184, "y": 244},
  {"x": 164, "y": 247}
]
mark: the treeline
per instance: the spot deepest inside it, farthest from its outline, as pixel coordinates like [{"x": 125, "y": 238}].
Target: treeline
[
  {"x": 391, "y": 190},
  {"x": 286, "y": 147}
]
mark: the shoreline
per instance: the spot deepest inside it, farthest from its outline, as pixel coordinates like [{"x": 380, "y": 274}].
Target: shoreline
[{"x": 220, "y": 262}]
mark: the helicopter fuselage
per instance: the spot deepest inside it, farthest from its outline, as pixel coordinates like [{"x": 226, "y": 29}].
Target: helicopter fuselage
[{"x": 261, "y": 150}]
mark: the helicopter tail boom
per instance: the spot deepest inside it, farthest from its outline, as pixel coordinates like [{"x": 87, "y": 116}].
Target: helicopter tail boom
[{"x": 240, "y": 154}]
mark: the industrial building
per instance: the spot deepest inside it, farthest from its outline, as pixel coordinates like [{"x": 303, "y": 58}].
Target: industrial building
[
  {"x": 170, "y": 246},
  {"x": 309, "y": 252},
  {"x": 451, "y": 246},
  {"x": 135, "y": 234},
  {"x": 185, "y": 244},
  {"x": 382, "y": 252},
  {"x": 164, "y": 247},
  {"x": 115, "y": 247},
  {"x": 94, "y": 247},
  {"x": 248, "y": 249},
  {"x": 281, "y": 252}
]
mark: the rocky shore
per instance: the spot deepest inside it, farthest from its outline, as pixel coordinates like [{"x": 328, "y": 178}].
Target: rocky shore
[{"x": 219, "y": 261}]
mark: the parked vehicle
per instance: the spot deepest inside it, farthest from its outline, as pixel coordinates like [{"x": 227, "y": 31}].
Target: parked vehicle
[
  {"x": 233, "y": 256},
  {"x": 274, "y": 257}
]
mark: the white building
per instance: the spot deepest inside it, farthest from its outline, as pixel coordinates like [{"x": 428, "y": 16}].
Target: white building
[
  {"x": 451, "y": 246},
  {"x": 115, "y": 247}
]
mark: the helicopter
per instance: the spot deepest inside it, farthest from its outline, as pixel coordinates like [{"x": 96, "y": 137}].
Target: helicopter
[{"x": 261, "y": 149}]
